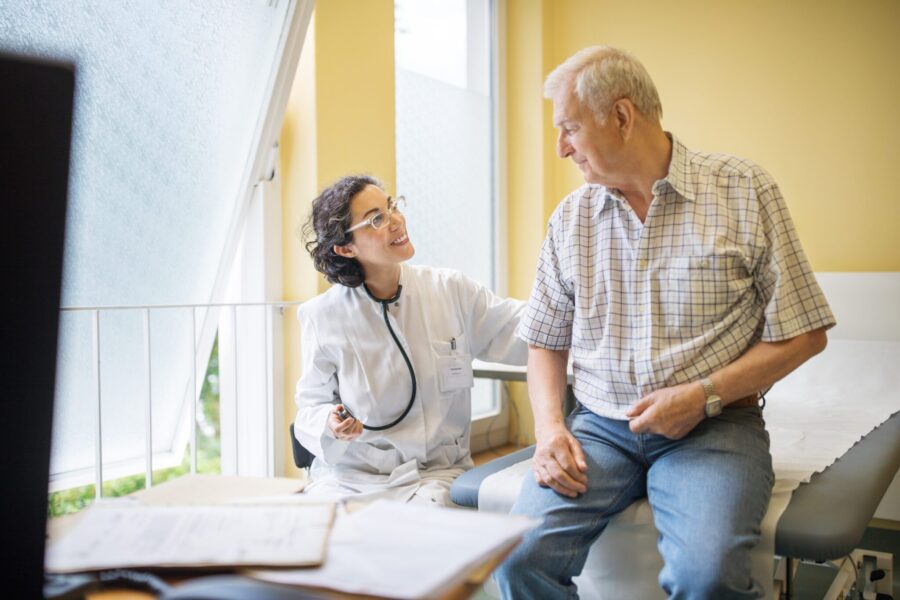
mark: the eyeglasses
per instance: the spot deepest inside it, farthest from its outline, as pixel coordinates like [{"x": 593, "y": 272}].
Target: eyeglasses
[{"x": 381, "y": 218}]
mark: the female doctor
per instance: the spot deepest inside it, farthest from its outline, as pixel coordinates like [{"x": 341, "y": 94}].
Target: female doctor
[{"x": 384, "y": 399}]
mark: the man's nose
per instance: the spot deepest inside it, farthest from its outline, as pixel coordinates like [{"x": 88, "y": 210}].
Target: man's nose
[{"x": 563, "y": 148}]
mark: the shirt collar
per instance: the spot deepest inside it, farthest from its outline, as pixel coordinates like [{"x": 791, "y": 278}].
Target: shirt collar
[{"x": 679, "y": 176}]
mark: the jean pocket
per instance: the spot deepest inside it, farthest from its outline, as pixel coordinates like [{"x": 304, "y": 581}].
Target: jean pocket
[{"x": 747, "y": 419}]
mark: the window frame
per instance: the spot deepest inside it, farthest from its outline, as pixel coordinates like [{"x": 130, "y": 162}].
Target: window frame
[{"x": 253, "y": 273}]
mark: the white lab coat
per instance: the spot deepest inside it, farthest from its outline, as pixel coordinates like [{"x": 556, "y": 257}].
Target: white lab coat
[{"x": 349, "y": 357}]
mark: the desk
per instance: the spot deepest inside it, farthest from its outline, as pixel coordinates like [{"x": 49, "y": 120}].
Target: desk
[{"x": 196, "y": 489}]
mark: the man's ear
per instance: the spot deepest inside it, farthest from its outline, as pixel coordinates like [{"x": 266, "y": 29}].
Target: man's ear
[
  {"x": 624, "y": 113},
  {"x": 347, "y": 251}
]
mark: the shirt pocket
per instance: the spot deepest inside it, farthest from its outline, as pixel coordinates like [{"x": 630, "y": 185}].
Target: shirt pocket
[
  {"x": 452, "y": 364},
  {"x": 698, "y": 291}
]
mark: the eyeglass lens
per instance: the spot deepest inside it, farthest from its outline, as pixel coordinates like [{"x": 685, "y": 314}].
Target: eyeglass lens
[{"x": 381, "y": 218}]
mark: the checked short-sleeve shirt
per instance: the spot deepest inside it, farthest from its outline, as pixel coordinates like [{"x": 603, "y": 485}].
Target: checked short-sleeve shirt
[{"x": 715, "y": 267}]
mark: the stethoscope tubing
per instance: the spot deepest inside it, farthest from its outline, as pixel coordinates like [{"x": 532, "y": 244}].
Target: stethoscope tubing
[{"x": 412, "y": 372}]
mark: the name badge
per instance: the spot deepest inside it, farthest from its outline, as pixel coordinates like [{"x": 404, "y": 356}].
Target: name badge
[{"x": 455, "y": 373}]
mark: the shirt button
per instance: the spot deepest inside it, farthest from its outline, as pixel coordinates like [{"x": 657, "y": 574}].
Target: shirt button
[{"x": 642, "y": 263}]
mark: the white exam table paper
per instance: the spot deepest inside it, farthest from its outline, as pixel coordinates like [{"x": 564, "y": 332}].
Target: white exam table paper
[{"x": 818, "y": 412}]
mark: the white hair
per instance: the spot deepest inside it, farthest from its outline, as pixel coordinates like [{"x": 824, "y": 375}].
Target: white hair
[{"x": 603, "y": 75}]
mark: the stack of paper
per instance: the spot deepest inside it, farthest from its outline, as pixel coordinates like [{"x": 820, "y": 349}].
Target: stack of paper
[
  {"x": 405, "y": 550},
  {"x": 121, "y": 534}
]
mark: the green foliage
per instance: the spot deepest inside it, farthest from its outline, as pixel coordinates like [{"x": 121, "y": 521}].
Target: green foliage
[{"x": 208, "y": 453}]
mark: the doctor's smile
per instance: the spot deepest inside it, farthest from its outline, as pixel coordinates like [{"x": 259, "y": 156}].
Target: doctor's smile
[{"x": 401, "y": 240}]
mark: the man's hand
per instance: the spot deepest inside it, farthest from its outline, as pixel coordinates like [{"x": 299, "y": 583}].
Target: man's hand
[
  {"x": 672, "y": 412},
  {"x": 559, "y": 462},
  {"x": 343, "y": 427}
]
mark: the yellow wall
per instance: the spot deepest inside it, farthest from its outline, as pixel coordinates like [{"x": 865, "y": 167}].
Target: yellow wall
[{"x": 339, "y": 120}]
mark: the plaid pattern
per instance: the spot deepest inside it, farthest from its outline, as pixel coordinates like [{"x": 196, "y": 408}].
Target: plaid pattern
[{"x": 715, "y": 268}]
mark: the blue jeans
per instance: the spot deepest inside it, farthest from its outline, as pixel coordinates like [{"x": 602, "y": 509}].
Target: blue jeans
[{"x": 709, "y": 492}]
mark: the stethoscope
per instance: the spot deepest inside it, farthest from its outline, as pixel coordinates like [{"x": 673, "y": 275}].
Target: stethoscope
[{"x": 412, "y": 373}]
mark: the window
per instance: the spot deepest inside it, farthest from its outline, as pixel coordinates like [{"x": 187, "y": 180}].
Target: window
[
  {"x": 178, "y": 107},
  {"x": 446, "y": 140}
]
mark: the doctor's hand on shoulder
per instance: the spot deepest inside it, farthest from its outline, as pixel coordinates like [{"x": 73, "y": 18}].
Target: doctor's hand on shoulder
[{"x": 343, "y": 426}]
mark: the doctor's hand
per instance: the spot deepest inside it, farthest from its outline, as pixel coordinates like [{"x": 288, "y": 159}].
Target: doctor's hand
[
  {"x": 559, "y": 462},
  {"x": 346, "y": 428},
  {"x": 671, "y": 412}
]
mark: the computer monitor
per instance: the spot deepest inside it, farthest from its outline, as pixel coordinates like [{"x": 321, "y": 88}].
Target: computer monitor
[{"x": 35, "y": 130}]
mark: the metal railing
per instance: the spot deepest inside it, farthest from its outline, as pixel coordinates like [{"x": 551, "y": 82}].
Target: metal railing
[{"x": 209, "y": 330}]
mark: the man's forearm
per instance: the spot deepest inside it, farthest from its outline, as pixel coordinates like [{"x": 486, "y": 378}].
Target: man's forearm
[
  {"x": 547, "y": 385},
  {"x": 764, "y": 364}
]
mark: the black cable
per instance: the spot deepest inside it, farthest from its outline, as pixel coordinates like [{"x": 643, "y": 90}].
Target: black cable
[
  {"x": 762, "y": 396},
  {"x": 412, "y": 373}
]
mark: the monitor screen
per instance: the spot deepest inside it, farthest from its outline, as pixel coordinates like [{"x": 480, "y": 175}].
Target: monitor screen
[{"x": 35, "y": 130}]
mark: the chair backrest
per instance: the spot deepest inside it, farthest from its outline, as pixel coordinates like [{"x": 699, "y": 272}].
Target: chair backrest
[{"x": 303, "y": 458}]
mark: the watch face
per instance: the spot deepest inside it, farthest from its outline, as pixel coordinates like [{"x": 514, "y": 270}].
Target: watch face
[{"x": 713, "y": 406}]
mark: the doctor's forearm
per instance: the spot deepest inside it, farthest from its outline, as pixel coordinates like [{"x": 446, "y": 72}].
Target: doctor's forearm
[
  {"x": 764, "y": 364},
  {"x": 547, "y": 386}
]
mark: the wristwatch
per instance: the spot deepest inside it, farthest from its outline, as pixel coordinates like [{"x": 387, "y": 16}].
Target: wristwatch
[{"x": 713, "y": 401}]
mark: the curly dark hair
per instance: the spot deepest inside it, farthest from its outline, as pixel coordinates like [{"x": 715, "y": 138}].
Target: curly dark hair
[{"x": 325, "y": 227}]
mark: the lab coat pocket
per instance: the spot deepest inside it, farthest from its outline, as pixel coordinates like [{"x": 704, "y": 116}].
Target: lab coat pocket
[
  {"x": 373, "y": 459},
  {"x": 451, "y": 454},
  {"x": 453, "y": 364}
]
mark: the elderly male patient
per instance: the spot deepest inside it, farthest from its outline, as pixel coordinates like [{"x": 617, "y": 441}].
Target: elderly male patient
[{"x": 677, "y": 281}]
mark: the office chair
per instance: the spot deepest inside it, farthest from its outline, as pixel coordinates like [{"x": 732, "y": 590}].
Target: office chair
[{"x": 302, "y": 457}]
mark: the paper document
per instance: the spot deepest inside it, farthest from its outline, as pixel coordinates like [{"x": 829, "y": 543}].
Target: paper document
[
  {"x": 125, "y": 534},
  {"x": 405, "y": 550}
]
